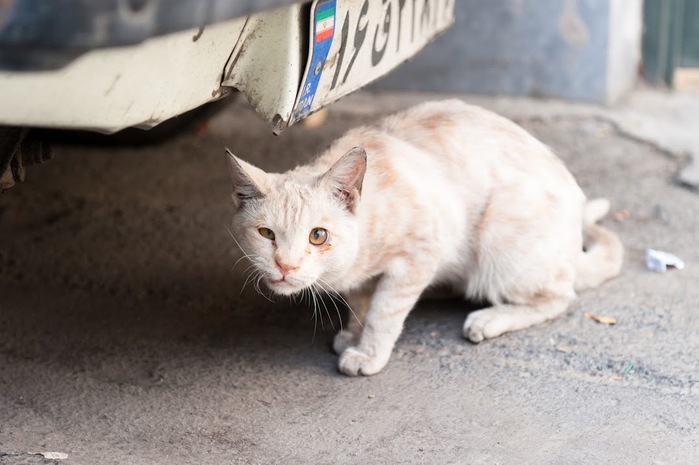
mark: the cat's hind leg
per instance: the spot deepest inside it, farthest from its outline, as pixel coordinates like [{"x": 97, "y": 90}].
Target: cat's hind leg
[{"x": 494, "y": 321}]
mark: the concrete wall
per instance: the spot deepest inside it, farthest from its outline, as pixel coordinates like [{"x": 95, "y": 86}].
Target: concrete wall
[
  {"x": 575, "y": 49},
  {"x": 624, "y": 57}
]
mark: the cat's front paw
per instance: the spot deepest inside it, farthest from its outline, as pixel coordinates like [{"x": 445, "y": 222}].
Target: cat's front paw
[
  {"x": 344, "y": 339},
  {"x": 354, "y": 362},
  {"x": 484, "y": 324}
]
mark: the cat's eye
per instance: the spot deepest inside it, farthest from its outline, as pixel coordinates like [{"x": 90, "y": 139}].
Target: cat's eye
[
  {"x": 266, "y": 233},
  {"x": 318, "y": 236}
]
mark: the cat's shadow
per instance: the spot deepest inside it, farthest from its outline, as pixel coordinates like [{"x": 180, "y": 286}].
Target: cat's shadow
[
  {"x": 122, "y": 293},
  {"x": 102, "y": 333}
]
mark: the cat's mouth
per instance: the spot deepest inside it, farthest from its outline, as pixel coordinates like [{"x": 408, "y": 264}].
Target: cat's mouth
[{"x": 283, "y": 286}]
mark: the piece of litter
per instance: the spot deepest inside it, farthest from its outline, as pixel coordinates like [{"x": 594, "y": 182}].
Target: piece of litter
[
  {"x": 628, "y": 369},
  {"x": 608, "y": 320},
  {"x": 659, "y": 261},
  {"x": 51, "y": 455},
  {"x": 622, "y": 215},
  {"x": 565, "y": 350},
  {"x": 371, "y": 396}
]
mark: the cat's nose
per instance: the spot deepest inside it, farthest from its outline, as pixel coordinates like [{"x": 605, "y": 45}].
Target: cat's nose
[{"x": 285, "y": 268}]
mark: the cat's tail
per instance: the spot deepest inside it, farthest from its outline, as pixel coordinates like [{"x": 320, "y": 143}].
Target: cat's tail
[{"x": 603, "y": 253}]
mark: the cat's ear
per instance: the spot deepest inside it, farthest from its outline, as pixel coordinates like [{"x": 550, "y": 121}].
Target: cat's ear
[
  {"x": 346, "y": 176},
  {"x": 243, "y": 176}
]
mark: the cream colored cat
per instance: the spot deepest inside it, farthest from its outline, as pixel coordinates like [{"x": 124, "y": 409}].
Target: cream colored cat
[{"x": 443, "y": 193}]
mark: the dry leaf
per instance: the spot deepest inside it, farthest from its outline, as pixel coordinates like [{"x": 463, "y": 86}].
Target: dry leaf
[{"x": 608, "y": 320}]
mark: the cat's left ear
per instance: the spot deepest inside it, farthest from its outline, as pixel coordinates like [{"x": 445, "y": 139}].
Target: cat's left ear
[
  {"x": 346, "y": 176},
  {"x": 242, "y": 174}
]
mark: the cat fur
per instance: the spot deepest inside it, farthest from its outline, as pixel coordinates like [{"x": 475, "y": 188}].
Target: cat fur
[{"x": 444, "y": 193}]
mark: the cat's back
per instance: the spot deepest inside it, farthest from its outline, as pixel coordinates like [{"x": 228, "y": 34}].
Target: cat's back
[
  {"x": 471, "y": 141},
  {"x": 452, "y": 146},
  {"x": 436, "y": 126}
]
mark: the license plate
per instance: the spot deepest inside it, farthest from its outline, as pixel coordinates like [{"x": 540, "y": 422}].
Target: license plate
[{"x": 353, "y": 43}]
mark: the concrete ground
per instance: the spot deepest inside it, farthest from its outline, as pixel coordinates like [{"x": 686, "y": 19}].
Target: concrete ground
[{"x": 125, "y": 337}]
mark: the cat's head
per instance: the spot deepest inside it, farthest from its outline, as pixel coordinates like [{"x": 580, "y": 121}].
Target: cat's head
[{"x": 298, "y": 228}]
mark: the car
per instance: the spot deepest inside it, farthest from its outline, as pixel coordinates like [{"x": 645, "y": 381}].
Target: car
[{"x": 107, "y": 65}]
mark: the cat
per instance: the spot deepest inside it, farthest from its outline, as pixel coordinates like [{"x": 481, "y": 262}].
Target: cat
[{"x": 444, "y": 193}]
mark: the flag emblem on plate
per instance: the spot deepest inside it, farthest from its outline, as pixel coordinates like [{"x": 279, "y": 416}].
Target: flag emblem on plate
[{"x": 325, "y": 22}]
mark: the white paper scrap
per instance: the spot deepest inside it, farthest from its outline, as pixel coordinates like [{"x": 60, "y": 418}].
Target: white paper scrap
[
  {"x": 659, "y": 261},
  {"x": 51, "y": 455}
]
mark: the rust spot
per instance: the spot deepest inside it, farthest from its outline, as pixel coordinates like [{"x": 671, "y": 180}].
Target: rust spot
[
  {"x": 278, "y": 124},
  {"x": 196, "y": 36},
  {"x": 220, "y": 92},
  {"x": 241, "y": 51},
  {"x": 330, "y": 61},
  {"x": 111, "y": 86}
]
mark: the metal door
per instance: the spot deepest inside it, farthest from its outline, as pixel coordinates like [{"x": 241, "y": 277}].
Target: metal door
[{"x": 670, "y": 38}]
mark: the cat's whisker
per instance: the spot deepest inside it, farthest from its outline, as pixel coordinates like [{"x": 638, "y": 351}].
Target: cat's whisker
[
  {"x": 250, "y": 257},
  {"x": 332, "y": 300},
  {"x": 306, "y": 296},
  {"x": 250, "y": 277},
  {"x": 314, "y": 315},
  {"x": 316, "y": 307},
  {"x": 315, "y": 326},
  {"x": 237, "y": 243},
  {"x": 337, "y": 310},
  {"x": 238, "y": 261},
  {"x": 336, "y": 294},
  {"x": 252, "y": 265},
  {"x": 325, "y": 306},
  {"x": 258, "y": 279},
  {"x": 255, "y": 276},
  {"x": 316, "y": 300}
]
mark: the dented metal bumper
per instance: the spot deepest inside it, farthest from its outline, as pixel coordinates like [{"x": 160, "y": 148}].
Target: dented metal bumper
[{"x": 289, "y": 62}]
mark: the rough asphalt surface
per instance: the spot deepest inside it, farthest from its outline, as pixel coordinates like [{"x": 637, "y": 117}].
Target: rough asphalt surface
[{"x": 125, "y": 337}]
